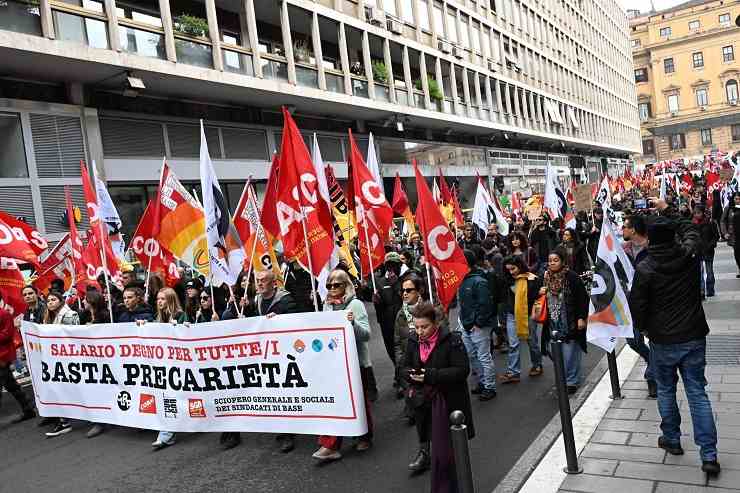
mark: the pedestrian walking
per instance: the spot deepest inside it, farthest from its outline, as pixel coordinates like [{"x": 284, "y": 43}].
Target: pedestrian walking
[
  {"x": 412, "y": 287},
  {"x": 709, "y": 236},
  {"x": 677, "y": 328},
  {"x": 731, "y": 223},
  {"x": 8, "y": 347}
]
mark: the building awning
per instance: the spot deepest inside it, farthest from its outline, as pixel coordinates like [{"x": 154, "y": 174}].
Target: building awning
[
  {"x": 553, "y": 112},
  {"x": 572, "y": 117}
]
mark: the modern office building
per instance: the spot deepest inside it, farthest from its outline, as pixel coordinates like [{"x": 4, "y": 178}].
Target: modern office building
[
  {"x": 687, "y": 77},
  {"x": 495, "y": 87}
]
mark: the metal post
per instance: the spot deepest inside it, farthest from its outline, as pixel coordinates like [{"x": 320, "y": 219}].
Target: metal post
[
  {"x": 556, "y": 348},
  {"x": 459, "y": 434},
  {"x": 611, "y": 359}
]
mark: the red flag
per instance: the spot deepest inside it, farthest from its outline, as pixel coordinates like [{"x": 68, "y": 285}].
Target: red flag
[
  {"x": 516, "y": 205},
  {"x": 374, "y": 214},
  {"x": 268, "y": 216},
  {"x": 14, "y": 248},
  {"x": 303, "y": 215},
  {"x": 400, "y": 199},
  {"x": 444, "y": 190},
  {"x": 11, "y": 284},
  {"x": 459, "y": 218},
  {"x": 80, "y": 276},
  {"x": 98, "y": 233},
  {"x": 26, "y": 233},
  {"x": 713, "y": 181},
  {"x": 687, "y": 183},
  {"x": 440, "y": 248},
  {"x": 145, "y": 244}
]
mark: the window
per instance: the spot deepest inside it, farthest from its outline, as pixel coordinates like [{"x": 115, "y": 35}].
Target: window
[
  {"x": 644, "y": 109},
  {"x": 390, "y": 7},
  {"x": 408, "y": 12},
  {"x": 724, "y": 19},
  {"x": 464, "y": 34},
  {"x": 693, "y": 25},
  {"x": 735, "y": 133},
  {"x": 641, "y": 75},
  {"x": 635, "y": 43},
  {"x": 665, "y": 32},
  {"x": 452, "y": 25},
  {"x": 701, "y": 97},
  {"x": 12, "y": 150},
  {"x": 698, "y": 59},
  {"x": 728, "y": 53},
  {"x": 706, "y": 136},
  {"x": 424, "y": 14},
  {"x": 668, "y": 65},
  {"x": 648, "y": 147},
  {"x": 673, "y": 103},
  {"x": 439, "y": 22},
  {"x": 678, "y": 141},
  {"x": 731, "y": 90}
]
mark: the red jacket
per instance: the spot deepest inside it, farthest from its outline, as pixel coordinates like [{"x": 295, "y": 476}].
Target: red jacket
[{"x": 7, "y": 331}]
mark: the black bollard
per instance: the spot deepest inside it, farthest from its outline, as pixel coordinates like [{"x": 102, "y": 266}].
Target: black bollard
[
  {"x": 459, "y": 434},
  {"x": 611, "y": 359},
  {"x": 566, "y": 420}
]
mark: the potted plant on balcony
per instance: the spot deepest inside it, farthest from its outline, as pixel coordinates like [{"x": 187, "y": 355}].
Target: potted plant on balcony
[
  {"x": 380, "y": 72},
  {"x": 435, "y": 94},
  {"x": 191, "y": 25}
]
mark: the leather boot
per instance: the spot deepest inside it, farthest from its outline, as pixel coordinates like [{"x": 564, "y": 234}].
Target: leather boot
[{"x": 422, "y": 460}]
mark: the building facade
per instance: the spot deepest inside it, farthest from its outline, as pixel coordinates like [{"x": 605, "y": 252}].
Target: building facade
[
  {"x": 489, "y": 87},
  {"x": 687, "y": 75}
]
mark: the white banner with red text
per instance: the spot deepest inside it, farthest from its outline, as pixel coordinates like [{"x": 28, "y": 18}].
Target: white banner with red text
[{"x": 287, "y": 374}]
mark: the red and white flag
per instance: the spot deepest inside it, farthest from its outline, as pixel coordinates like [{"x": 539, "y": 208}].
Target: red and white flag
[
  {"x": 98, "y": 233},
  {"x": 11, "y": 285},
  {"x": 444, "y": 255},
  {"x": 372, "y": 211},
  {"x": 149, "y": 251}
]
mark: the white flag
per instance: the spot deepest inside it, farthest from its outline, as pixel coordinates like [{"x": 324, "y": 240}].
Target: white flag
[
  {"x": 609, "y": 314},
  {"x": 662, "y": 186},
  {"x": 318, "y": 164},
  {"x": 108, "y": 214},
  {"x": 555, "y": 201},
  {"x": 224, "y": 246},
  {"x": 485, "y": 211},
  {"x": 372, "y": 163}
]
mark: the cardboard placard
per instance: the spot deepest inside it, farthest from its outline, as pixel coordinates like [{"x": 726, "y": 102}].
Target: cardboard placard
[{"x": 582, "y": 197}]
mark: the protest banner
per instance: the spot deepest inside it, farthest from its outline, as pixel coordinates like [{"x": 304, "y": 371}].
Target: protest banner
[
  {"x": 287, "y": 374},
  {"x": 582, "y": 197}
]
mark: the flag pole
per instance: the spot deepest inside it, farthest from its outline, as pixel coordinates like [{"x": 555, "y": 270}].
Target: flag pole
[
  {"x": 369, "y": 255},
  {"x": 429, "y": 282},
  {"x": 310, "y": 262},
  {"x": 102, "y": 251}
]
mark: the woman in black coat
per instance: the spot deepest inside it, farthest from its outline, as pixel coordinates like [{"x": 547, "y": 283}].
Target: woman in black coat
[
  {"x": 576, "y": 255},
  {"x": 437, "y": 367},
  {"x": 567, "y": 312}
]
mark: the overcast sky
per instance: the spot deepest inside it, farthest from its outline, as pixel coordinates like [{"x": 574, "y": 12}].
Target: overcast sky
[{"x": 644, "y": 5}]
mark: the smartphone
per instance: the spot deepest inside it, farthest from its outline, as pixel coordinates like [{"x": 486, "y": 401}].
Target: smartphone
[{"x": 640, "y": 204}]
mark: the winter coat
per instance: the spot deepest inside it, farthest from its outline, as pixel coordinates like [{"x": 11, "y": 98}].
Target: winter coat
[
  {"x": 709, "y": 235},
  {"x": 543, "y": 241},
  {"x": 576, "y": 306},
  {"x": 507, "y": 294},
  {"x": 66, "y": 316},
  {"x": 390, "y": 301},
  {"x": 36, "y": 315},
  {"x": 402, "y": 329},
  {"x": 282, "y": 302},
  {"x": 7, "y": 333},
  {"x": 140, "y": 312},
  {"x": 476, "y": 309},
  {"x": 665, "y": 300},
  {"x": 361, "y": 326},
  {"x": 731, "y": 223},
  {"x": 578, "y": 261},
  {"x": 446, "y": 370},
  {"x": 629, "y": 249},
  {"x": 298, "y": 283}
]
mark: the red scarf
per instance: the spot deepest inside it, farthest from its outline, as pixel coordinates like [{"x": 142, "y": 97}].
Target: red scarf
[{"x": 426, "y": 346}]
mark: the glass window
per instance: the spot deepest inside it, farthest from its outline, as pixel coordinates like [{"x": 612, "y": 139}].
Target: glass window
[
  {"x": 673, "y": 103},
  {"x": 678, "y": 141},
  {"x": 635, "y": 43},
  {"x": 147, "y": 13},
  {"x": 140, "y": 42},
  {"x": 452, "y": 25},
  {"x": 665, "y": 32},
  {"x": 731, "y": 90},
  {"x": 693, "y": 25},
  {"x": 701, "y": 97},
  {"x": 648, "y": 147},
  {"x": 668, "y": 65},
  {"x": 724, "y": 18},
  {"x": 390, "y": 7},
  {"x": 697, "y": 59},
  {"x": 12, "y": 150},
  {"x": 91, "y": 32},
  {"x": 644, "y": 109},
  {"x": 439, "y": 23},
  {"x": 408, "y": 12},
  {"x": 728, "y": 53},
  {"x": 735, "y": 133},
  {"x": 424, "y": 14},
  {"x": 640, "y": 74},
  {"x": 706, "y": 136},
  {"x": 464, "y": 34},
  {"x": 476, "y": 36},
  {"x": 20, "y": 17}
]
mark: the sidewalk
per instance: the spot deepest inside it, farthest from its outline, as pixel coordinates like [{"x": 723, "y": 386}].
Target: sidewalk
[{"x": 617, "y": 440}]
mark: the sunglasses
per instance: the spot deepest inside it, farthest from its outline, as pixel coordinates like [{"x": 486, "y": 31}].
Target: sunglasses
[
  {"x": 408, "y": 290},
  {"x": 205, "y": 298},
  {"x": 334, "y": 285}
]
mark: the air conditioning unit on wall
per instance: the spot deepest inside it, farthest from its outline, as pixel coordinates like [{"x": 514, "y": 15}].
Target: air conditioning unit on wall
[
  {"x": 374, "y": 16},
  {"x": 394, "y": 25},
  {"x": 457, "y": 51},
  {"x": 444, "y": 46}
]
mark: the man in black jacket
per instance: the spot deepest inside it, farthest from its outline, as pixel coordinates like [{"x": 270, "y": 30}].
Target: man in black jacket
[
  {"x": 387, "y": 299},
  {"x": 270, "y": 301},
  {"x": 665, "y": 302}
]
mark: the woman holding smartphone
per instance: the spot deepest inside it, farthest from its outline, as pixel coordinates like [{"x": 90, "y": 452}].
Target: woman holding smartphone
[{"x": 437, "y": 368}]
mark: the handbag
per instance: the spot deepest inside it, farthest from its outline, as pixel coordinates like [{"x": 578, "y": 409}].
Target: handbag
[{"x": 539, "y": 309}]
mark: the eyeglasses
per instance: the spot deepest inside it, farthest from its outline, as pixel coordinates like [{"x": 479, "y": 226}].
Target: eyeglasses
[
  {"x": 408, "y": 290},
  {"x": 205, "y": 298},
  {"x": 334, "y": 285}
]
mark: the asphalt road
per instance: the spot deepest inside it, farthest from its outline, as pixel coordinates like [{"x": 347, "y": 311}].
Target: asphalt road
[{"x": 122, "y": 459}]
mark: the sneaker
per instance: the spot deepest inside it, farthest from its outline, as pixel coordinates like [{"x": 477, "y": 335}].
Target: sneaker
[
  {"x": 97, "y": 429},
  {"x": 536, "y": 371},
  {"x": 324, "y": 454},
  {"x": 670, "y": 448},
  {"x": 487, "y": 395},
  {"x": 652, "y": 389},
  {"x": 60, "y": 429},
  {"x": 711, "y": 467},
  {"x": 363, "y": 445},
  {"x": 160, "y": 444},
  {"x": 509, "y": 378},
  {"x": 24, "y": 416}
]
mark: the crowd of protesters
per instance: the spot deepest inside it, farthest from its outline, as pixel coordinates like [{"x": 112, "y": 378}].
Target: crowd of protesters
[{"x": 442, "y": 358}]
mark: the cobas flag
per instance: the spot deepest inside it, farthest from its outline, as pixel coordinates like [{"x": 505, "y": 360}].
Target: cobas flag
[
  {"x": 444, "y": 255},
  {"x": 224, "y": 246},
  {"x": 609, "y": 314},
  {"x": 372, "y": 211},
  {"x": 303, "y": 215}
]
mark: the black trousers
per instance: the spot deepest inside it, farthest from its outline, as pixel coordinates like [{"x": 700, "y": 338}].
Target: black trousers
[
  {"x": 736, "y": 251},
  {"x": 7, "y": 380}
]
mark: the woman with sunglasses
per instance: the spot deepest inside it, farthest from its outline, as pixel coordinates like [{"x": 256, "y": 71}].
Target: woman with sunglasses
[
  {"x": 206, "y": 312},
  {"x": 411, "y": 291},
  {"x": 342, "y": 297}
]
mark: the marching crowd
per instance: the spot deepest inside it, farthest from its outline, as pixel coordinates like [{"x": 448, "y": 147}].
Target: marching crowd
[{"x": 440, "y": 361}]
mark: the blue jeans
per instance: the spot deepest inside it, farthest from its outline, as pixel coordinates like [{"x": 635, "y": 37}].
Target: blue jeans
[
  {"x": 478, "y": 346},
  {"x": 535, "y": 354},
  {"x": 572, "y": 355},
  {"x": 637, "y": 343},
  {"x": 689, "y": 358},
  {"x": 707, "y": 267}
]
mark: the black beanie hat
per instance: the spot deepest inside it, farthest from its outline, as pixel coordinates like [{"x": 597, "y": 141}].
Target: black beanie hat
[{"x": 661, "y": 231}]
